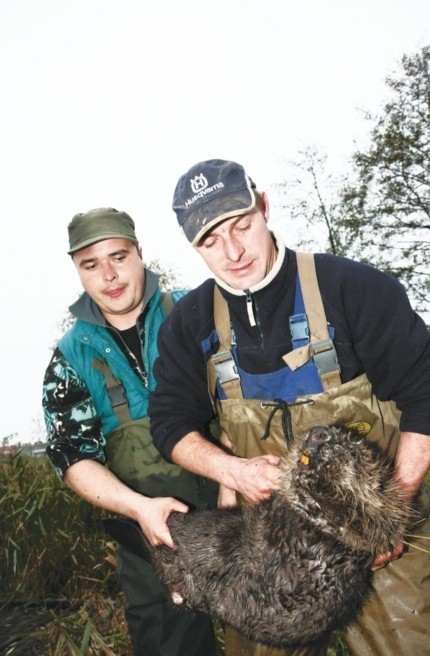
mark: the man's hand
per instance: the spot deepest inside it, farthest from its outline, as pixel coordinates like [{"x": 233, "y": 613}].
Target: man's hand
[
  {"x": 256, "y": 478},
  {"x": 411, "y": 465},
  {"x": 152, "y": 516},
  {"x": 383, "y": 559},
  {"x": 98, "y": 485}
]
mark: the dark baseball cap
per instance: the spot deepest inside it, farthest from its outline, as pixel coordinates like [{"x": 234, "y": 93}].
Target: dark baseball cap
[
  {"x": 210, "y": 192},
  {"x": 101, "y": 223}
]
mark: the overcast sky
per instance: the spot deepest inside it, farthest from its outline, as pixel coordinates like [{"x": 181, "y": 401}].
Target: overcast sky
[{"x": 108, "y": 102}]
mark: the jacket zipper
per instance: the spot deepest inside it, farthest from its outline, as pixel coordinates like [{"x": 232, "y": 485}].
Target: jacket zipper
[{"x": 254, "y": 316}]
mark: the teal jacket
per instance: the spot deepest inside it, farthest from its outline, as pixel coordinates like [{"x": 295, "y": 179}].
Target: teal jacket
[
  {"x": 77, "y": 409},
  {"x": 87, "y": 340}
]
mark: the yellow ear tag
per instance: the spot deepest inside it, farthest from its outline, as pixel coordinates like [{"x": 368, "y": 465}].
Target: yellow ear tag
[{"x": 304, "y": 459}]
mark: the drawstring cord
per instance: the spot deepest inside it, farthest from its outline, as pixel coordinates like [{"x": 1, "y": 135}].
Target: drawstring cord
[{"x": 287, "y": 426}]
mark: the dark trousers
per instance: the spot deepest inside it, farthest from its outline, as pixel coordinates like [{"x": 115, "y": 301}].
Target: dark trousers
[{"x": 156, "y": 626}]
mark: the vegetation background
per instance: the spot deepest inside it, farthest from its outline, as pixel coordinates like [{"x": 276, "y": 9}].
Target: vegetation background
[
  {"x": 59, "y": 593},
  {"x": 378, "y": 210}
]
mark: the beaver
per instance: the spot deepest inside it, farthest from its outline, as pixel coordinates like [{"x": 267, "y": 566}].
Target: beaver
[{"x": 296, "y": 566}]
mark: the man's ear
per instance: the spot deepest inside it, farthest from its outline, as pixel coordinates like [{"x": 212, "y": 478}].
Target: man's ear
[
  {"x": 139, "y": 250},
  {"x": 265, "y": 205}
]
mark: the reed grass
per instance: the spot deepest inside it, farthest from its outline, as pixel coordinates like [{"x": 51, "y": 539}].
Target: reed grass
[
  {"x": 58, "y": 566},
  {"x": 57, "y": 570}
]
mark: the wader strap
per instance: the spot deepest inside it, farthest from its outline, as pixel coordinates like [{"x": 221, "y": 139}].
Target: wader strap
[
  {"x": 222, "y": 366},
  {"x": 115, "y": 391},
  {"x": 167, "y": 302},
  {"x": 322, "y": 346}
]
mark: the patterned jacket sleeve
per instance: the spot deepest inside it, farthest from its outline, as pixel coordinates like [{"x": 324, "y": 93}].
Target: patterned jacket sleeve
[{"x": 74, "y": 430}]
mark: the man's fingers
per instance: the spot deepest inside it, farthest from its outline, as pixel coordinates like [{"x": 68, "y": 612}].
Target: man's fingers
[
  {"x": 383, "y": 559},
  {"x": 178, "y": 506},
  {"x": 270, "y": 457},
  {"x": 164, "y": 537}
]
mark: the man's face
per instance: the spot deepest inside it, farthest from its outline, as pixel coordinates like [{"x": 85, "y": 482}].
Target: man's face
[
  {"x": 112, "y": 273},
  {"x": 240, "y": 251}
]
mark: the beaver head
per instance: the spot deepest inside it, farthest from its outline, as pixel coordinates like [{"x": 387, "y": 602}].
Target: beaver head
[{"x": 340, "y": 483}]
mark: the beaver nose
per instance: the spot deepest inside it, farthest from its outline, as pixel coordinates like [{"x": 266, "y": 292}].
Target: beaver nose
[{"x": 317, "y": 435}]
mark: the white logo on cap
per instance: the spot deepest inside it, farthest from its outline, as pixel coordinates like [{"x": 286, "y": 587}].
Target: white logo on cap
[
  {"x": 200, "y": 189},
  {"x": 198, "y": 183}
]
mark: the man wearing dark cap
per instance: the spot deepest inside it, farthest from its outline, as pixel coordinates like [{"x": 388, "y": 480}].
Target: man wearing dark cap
[
  {"x": 95, "y": 401},
  {"x": 279, "y": 342}
]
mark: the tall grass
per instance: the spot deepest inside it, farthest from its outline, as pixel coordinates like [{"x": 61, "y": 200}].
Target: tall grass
[
  {"x": 57, "y": 566},
  {"x": 59, "y": 593}
]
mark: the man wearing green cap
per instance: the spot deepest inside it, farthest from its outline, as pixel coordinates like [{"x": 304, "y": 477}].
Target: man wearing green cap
[
  {"x": 95, "y": 400},
  {"x": 278, "y": 342}
]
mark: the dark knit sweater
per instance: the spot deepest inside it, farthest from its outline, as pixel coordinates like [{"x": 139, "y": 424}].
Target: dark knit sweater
[{"x": 376, "y": 332}]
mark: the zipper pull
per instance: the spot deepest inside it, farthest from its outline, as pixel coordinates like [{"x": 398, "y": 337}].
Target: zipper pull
[{"x": 250, "y": 308}]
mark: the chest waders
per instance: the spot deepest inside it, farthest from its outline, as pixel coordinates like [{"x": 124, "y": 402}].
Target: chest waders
[
  {"x": 309, "y": 392},
  {"x": 155, "y": 626},
  {"x": 132, "y": 456}
]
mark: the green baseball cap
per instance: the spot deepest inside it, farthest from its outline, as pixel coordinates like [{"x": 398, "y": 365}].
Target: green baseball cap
[{"x": 101, "y": 223}]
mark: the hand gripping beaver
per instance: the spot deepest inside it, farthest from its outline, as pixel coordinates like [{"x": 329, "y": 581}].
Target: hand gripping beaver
[{"x": 296, "y": 566}]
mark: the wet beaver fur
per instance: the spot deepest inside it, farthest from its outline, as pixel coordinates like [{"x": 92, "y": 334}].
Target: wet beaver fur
[{"x": 296, "y": 566}]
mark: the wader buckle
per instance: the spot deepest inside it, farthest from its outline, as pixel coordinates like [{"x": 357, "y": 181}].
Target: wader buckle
[
  {"x": 225, "y": 366},
  {"x": 299, "y": 327},
  {"x": 325, "y": 356}
]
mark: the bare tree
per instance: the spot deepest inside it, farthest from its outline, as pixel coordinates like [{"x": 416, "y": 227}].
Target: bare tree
[{"x": 378, "y": 211}]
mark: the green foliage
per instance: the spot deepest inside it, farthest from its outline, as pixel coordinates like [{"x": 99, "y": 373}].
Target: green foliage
[
  {"x": 387, "y": 204},
  {"x": 39, "y": 517},
  {"x": 58, "y": 584},
  {"x": 378, "y": 210},
  {"x": 338, "y": 648},
  {"x": 59, "y": 592}
]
